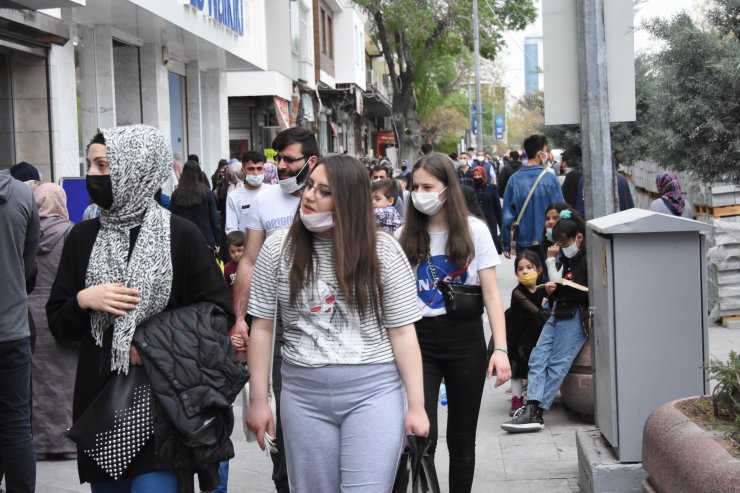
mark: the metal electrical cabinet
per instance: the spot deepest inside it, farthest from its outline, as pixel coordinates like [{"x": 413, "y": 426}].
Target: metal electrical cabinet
[{"x": 648, "y": 285}]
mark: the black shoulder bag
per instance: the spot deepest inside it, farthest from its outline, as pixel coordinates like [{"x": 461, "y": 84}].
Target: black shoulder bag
[
  {"x": 462, "y": 301},
  {"x": 118, "y": 423}
]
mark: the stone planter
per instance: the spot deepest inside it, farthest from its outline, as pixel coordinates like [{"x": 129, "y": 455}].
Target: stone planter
[
  {"x": 679, "y": 455},
  {"x": 577, "y": 390}
]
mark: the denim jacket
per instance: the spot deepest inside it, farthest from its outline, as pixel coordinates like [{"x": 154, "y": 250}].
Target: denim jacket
[{"x": 533, "y": 222}]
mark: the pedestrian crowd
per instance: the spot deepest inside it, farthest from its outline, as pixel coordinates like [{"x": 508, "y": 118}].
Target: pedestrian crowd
[{"x": 347, "y": 295}]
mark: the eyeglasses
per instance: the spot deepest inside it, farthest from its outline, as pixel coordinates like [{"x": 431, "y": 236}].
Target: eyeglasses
[
  {"x": 258, "y": 169},
  {"x": 321, "y": 191},
  {"x": 288, "y": 159}
]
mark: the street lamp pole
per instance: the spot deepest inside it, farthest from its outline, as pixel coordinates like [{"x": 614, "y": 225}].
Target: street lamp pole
[{"x": 479, "y": 108}]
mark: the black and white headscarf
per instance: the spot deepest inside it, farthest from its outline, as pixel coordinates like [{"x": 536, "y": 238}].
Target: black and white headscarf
[{"x": 140, "y": 160}]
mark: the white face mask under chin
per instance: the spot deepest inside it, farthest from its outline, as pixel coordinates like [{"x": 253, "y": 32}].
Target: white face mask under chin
[
  {"x": 318, "y": 222},
  {"x": 427, "y": 202},
  {"x": 291, "y": 185}
]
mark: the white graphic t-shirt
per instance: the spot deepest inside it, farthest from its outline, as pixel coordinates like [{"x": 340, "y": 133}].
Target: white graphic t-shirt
[
  {"x": 272, "y": 210},
  {"x": 238, "y": 203},
  {"x": 320, "y": 328},
  {"x": 429, "y": 298}
]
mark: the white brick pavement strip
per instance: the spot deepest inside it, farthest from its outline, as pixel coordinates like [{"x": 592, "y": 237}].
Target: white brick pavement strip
[{"x": 544, "y": 461}]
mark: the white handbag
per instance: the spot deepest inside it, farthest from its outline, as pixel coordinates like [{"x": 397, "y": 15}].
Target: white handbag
[{"x": 270, "y": 446}]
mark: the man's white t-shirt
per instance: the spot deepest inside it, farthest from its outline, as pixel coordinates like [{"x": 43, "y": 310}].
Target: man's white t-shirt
[
  {"x": 429, "y": 297},
  {"x": 238, "y": 203},
  {"x": 272, "y": 210}
]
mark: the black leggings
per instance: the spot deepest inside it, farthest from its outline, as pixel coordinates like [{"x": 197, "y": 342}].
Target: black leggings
[{"x": 456, "y": 351}]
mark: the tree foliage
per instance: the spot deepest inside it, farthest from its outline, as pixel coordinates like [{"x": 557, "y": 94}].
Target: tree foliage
[
  {"x": 424, "y": 41},
  {"x": 698, "y": 103}
]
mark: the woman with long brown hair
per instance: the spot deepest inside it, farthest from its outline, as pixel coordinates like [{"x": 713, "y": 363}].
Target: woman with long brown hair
[
  {"x": 445, "y": 244},
  {"x": 347, "y": 301}
]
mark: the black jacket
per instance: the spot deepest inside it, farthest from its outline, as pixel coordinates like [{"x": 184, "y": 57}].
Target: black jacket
[
  {"x": 509, "y": 169},
  {"x": 195, "y": 378},
  {"x": 204, "y": 215}
]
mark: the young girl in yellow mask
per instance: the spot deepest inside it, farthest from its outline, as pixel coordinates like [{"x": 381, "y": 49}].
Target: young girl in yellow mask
[{"x": 524, "y": 320}]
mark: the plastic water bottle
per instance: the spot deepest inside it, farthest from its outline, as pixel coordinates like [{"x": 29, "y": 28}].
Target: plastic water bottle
[{"x": 443, "y": 394}]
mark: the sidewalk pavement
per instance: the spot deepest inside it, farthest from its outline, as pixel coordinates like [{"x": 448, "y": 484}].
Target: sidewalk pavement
[{"x": 544, "y": 461}]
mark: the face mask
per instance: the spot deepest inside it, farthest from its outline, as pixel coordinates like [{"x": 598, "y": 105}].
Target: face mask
[
  {"x": 100, "y": 190},
  {"x": 296, "y": 182},
  {"x": 548, "y": 234},
  {"x": 427, "y": 202},
  {"x": 456, "y": 164},
  {"x": 529, "y": 280},
  {"x": 254, "y": 180},
  {"x": 478, "y": 181},
  {"x": 318, "y": 222},
  {"x": 403, "y": 167},
  {"x": 481, "y": 158},
  {"x": 570, "y": 251}
]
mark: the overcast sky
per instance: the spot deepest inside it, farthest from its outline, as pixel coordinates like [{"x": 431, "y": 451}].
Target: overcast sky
[{"x": 511, "y": 60}]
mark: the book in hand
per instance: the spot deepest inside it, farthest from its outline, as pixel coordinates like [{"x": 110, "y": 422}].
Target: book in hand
[{"x": 567, "y": 283}]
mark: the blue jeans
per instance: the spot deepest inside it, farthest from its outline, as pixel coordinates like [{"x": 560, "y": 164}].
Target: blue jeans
[
  {"x": 17, "y": 452},
  {"x": 223, "y": 473},
  {"x": 159, "y": 481},
  {"x": 560, "y": 342}
]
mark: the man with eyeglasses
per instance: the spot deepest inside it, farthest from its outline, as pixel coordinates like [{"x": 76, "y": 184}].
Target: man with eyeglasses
[
  {"x": 271, "y": 210},
  {"x": 239, "y": 200}
]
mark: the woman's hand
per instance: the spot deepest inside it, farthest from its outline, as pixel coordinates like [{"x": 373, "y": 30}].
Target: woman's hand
[
  {"x": 553, "y": 250},
  {"x": 112, "y": 298},
  {"x": 500, "y": 364},
  {"x": 416, "y": 422},
  {"x": 259, "y": 420},
  {"x": 133, "y": 357},
  {"x": 550, "y": 288}
]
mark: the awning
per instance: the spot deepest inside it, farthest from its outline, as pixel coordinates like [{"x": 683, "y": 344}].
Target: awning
[
  {"x": 48, "y": 4},
  {"x": 29, "y": 26}
]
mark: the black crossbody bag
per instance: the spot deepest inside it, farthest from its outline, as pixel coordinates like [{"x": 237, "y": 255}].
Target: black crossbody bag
[{"x": 462, "y": 301}]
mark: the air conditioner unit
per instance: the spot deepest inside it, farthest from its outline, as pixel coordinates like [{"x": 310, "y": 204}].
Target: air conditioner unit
[{"x": 371, "y": 79}]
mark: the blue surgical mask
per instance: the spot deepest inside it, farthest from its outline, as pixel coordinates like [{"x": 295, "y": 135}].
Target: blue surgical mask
[
  {"x": 548, "y": 234},
  {"x": 255, "y": 180}
]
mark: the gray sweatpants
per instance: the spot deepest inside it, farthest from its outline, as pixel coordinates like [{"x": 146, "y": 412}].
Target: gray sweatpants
[{"x": 343, "y": 427}]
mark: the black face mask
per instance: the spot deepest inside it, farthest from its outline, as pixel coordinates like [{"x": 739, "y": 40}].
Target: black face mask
[
  {"x": 404, "y": 167},
  {"x": 100, "y": 190},
  {"x": 478, "y": 181}
]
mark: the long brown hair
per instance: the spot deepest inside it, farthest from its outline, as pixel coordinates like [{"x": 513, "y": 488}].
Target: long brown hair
[
  {"x": 415, "y": 235},
  {"x": 356, "y": 264}
]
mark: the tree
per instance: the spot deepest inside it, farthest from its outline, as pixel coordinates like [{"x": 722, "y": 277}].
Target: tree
[
  {"x": 444, "y": 125},
  {"x": 415, "y": 34},
  {"x": 526, "y": 118},
  {"x": 698, "y": 103}
]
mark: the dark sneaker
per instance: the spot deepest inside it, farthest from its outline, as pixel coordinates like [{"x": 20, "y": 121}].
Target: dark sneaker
[
  {"x": 526, "y": 419},
  {"x": 516, "y": 404}
]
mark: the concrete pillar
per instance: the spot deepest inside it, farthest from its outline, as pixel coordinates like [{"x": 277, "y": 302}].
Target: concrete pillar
[
  {"x": 88, "y": 83},
  {"x": 155, "y": 89},
  {"x": 216, "y": 121},
  {"x": 195, "y": 117},
  {"x": 31, "y": 111},
  {"x": 127, "y": 85},
  {"x": 68, "y": 161},
  {"x": 105, "y": 77}
]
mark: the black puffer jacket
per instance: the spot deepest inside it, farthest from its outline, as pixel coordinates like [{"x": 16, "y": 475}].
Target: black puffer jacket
[{"x": 195, "y": 377}]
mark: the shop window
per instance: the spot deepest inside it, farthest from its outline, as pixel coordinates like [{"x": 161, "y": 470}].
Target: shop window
[
  {"x": 178, "y": 115},
  {"x": 127, "y": 81}
]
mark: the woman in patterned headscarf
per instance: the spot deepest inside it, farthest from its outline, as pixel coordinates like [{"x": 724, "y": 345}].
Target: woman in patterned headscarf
[
  {"x": 671, "y": 200},
  {"x": 132, "y": 262}
]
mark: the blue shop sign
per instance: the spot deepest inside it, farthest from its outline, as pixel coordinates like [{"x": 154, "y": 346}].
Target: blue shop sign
[{"x": 228, "y": 13}]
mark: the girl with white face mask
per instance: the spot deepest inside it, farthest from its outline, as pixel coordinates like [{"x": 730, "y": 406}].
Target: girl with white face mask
[
  {"x": 444, "y": 242},
  {"x": 352, "y": 381}
]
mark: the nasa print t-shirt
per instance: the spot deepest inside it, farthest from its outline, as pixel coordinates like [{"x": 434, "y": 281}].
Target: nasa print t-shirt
[
  {"x": 429, "y": 297},
  {"x": 321, "y": 328}
]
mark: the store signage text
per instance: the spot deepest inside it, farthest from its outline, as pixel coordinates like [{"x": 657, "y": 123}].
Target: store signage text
[{"x": 227, "y": 13}]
